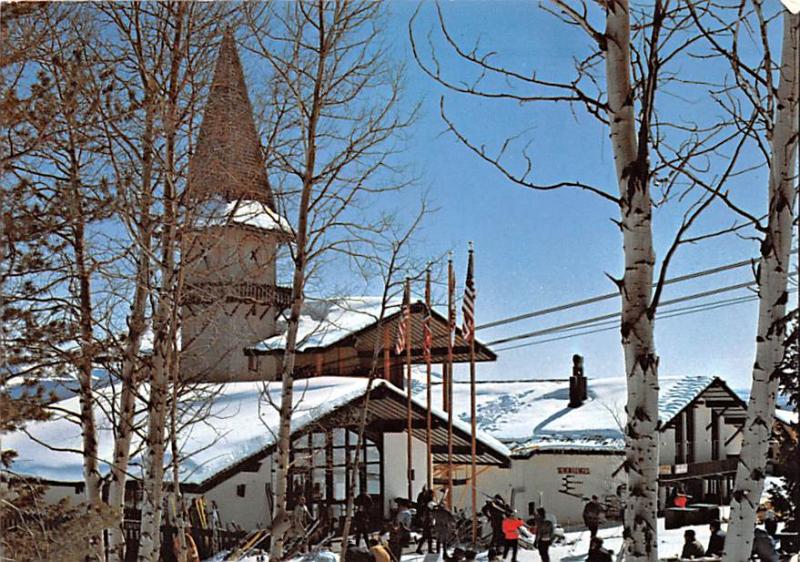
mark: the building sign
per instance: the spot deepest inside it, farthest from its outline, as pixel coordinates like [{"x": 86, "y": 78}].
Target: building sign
[
  {"x": 573, "y": 470},
  {"x": 681, "y": 468},
  {"x": 665, "y": 469}
]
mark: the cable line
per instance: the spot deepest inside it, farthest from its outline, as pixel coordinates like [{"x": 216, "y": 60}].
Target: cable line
[
  {"x": 613, "y": 315},
  {"x": 670, "y": 314},
  {"x": 600, "y": 298}
]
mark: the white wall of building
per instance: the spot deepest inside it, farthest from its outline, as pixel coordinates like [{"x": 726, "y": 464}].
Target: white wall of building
[
  {"x": 539, "y": 478},
  {"x": 395, "y": 463},
  {"x": 250, "y": 511}
]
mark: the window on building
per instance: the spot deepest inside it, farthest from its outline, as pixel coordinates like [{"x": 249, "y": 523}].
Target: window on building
[
  {"x": 240, "y": 490},
  {"x": 680, "y": 440},
  {"x": 690, "y": 435},
  {"x": 715, "y": 444},
  {"x": 252, "y": 362}
]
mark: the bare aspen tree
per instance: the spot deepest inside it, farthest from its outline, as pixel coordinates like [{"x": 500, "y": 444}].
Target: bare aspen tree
[
  {"x": 335, "y": 117},
  {"x": 389, "y": 259},
  {"x": 164, "y": 52},
  {"x": 772, "y": 91},
  {"x": 63, "y": 181},
  {"x": 616, "y": 83}
]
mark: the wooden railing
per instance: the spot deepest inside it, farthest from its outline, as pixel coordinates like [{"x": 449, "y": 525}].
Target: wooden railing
[
  {"x": 698, "y": 469},
  {"x": 208, "y": 541}
]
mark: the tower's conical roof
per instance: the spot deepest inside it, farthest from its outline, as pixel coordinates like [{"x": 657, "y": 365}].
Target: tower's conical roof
[{"x": 227, "y": 161}]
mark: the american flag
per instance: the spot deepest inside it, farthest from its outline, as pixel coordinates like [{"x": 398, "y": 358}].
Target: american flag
[
  {"x": 402, "y": 328},
  {"x": 426, "y": 323},
  {"x": 468, "y": 305}
]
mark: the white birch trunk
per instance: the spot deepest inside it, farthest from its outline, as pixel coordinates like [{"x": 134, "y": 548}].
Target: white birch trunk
[
  {"x": 772, "y": 281},
  {"x": 280, "y": 519},
  {"x": 125, "y": 422},
  {"x": 641, "y": 361},
  {"x": 131, "y": 361},
  {"x": 165, "y": 323},
  {"x": 154, "y": 461}
]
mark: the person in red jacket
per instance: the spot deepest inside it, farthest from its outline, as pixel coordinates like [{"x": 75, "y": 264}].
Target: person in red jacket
[{"x": 511, "y": 526}]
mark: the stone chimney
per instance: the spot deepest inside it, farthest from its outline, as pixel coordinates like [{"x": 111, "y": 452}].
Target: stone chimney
[{"x": 577, "y": 383}]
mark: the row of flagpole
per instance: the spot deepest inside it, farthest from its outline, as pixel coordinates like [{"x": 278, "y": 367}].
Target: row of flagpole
[{"x": 403, "y": 343}]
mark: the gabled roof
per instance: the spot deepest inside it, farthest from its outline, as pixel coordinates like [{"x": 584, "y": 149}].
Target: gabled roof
[
  {"x": 236, "y": 427},
  {"x": 353, "y": 321},
  {"x": 228, "y": 161}
]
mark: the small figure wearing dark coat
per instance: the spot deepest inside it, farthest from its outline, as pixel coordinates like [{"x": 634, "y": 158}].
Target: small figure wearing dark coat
[
  {"x": 716, "y": 543},
  {"x": 443, "y": 522},
  {"x": 495, "y": 510},
  {"x": 592, "y": 512},
  {"x": 426, "y": 526},
  {"x": 545, "y": 532},
  {"x": 596, "y": 551},
  {"x": 691, "y": 546}
]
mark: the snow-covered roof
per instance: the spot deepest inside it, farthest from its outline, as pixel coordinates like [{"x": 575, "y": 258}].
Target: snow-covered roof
[
  {"x": 239, "y": 422},
  {"x": 244, "y": 212},
  {"x": 325, "y": 322},
  {"x": 788, "y": 417},
  {"x": 534, "y": 414}
]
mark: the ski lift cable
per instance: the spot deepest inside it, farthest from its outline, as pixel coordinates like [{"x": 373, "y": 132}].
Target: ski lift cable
[
  {"x": 671, "y": 314},
  {"x": 607, "y": 296},
  {"x": 586, "y": 321}
]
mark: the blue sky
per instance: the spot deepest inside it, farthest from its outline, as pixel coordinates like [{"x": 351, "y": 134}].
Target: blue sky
[
  {"x": 536, "y": 249},
  {"x": 540, "y": 249}
]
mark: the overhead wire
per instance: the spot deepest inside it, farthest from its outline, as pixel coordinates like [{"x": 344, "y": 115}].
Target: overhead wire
[
  {"x": 607, "y": 296},
  {"x": 615, "y": 323},
  {"x": 578, "y": 323}
]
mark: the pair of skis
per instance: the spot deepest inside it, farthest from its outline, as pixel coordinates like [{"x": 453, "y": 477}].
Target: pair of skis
[{"x": 249, "y": 543}]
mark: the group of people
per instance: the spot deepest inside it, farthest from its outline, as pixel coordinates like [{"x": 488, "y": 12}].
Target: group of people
[
  {"x": 507, "y": 526},
  {"x": 764, "y": 544},
  {"x": 693, "y": 548}
]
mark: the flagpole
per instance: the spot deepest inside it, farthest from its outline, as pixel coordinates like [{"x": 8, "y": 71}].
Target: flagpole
[
  {"x": 409, "y": 340},
  {"x": 427, "y": 338},
  {"x": 473, "y": 411},
  {"x": 448, "y": 390}
]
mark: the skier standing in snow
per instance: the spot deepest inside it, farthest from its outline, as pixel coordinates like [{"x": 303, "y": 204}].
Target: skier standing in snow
[
  {"x": 511, "y": 526},
  {"x": 716, "y": 543},
  {"x": 426, "y": 523},
  {"x": 592, "y": 513},
  {"x": 545, "y": 528},
  {"x": 442, "y": 528},
  {"x": 300, "y": 520},
  {"x": 691, "y": 546},
  {"x": 494, "y": 510}
]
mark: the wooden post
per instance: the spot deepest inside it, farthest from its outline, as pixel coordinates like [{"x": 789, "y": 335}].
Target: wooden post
[
  {"x": 387, "y": 358},
  {"x": 448, "y": 382},
  {"x": 409, "y": 442},
  {"x": 473, "y": 415},
  {"x": 427, "y": 337}
]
